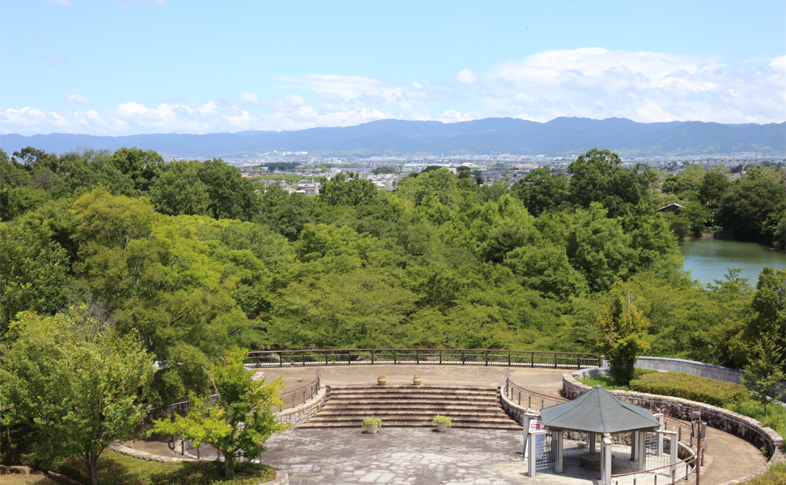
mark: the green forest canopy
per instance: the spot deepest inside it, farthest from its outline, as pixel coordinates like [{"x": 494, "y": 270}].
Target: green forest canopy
[{"x": 192, "y": 259}]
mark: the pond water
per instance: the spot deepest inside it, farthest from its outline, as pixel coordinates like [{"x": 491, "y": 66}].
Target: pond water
[{"x": 708, "y": 259}]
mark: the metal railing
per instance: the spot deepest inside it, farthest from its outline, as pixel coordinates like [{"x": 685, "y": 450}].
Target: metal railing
[
  {"x": 674, "y": 472},
  {"x": 532, "y": 400},
  {"x": 302, "y": 394},
  {"x": 513, "y": 358}
]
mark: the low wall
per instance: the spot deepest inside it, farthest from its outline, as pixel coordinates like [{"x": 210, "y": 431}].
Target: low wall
[
  {"x": 303, "y": 412},
  {"x": 695, "y": 368},
  {"x": 730, "y": 422}
]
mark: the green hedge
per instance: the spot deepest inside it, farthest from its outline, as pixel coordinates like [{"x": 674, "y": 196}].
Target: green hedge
[{"x": 695, "y": 388}]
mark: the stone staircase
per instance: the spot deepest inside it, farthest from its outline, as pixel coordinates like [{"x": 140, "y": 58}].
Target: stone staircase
[{"x": 411, "y": 406}]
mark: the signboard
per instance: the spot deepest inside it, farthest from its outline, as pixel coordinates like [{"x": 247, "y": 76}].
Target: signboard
[{"x": 540, "y": 440}]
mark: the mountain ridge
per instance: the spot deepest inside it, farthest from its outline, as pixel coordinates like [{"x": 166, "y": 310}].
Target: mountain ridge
[{"x": 558, "y": 137}]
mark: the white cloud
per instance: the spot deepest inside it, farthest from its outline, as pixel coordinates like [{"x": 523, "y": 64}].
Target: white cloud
[
  {"x": 77, "y": 98},
  {"x": 465, "y": 76},
  {"x": 248, "y": 98},
  {"x": 62, "y": 3},
  {"x": 643, "y": 86},
  {"x": 588, "y": 82}
]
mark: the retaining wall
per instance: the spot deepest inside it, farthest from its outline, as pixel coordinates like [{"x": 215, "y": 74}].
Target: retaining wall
[
  {"x": 694, "y": 368},
  {"x": 303, "y": 412},
  {"x": 730, "y": 422}
]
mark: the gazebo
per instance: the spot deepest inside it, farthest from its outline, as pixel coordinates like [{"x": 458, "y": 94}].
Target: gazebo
[{"x": 598, "y": 412}]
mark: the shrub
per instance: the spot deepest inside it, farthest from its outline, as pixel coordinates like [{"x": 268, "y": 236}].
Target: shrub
[
  {"x": 695, "y": 388},
  {"x": 370, "y": 422},
  {"x": 442, "y": 420},
  {"x": 776, "y": 475}
]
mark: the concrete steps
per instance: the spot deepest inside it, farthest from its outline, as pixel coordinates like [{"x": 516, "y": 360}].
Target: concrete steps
[{"x": 410, "y": 406}]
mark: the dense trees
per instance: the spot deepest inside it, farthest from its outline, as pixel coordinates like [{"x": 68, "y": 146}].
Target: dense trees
[{"x": 191, "y": 259}]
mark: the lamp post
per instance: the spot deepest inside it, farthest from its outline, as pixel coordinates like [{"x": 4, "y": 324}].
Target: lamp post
[{"x": 699, "y": 429}]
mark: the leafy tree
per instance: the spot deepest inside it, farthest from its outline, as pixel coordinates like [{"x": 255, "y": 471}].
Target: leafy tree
[
  {"x": 744, "y": 208},
  {"x": 768, "y": 310},
  {"x": 598, "y": 176},
  {"x": 764, "y": 373},
  {"x": 180, "y": 191},
  {"x": 599, "y": 248},
  {"x": 35, "y": 269},
  {"x": 141, "y": 167},
  {"x": 623, "y": 339},
  {"x": 285, "y": 214},
  {"x": 441, "y": 182},
  {"x": 381, "y": 170},
  {"x": 686, "y": 183},
  {"x": 231, "y": 196},
  {"x": 75, "y": 382},
  {"x": 242, "y": 419},
  {"x": 712, "y": 188},
  {"x": 541, "y": 191},
  {"x": 546, "y": 269},
  {"x": 361, "y": 308},
  {"x": 348, "y": 189}
]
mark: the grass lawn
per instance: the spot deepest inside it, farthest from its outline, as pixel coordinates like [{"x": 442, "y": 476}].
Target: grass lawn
[
  {"x": 776, "y": 475},
  {"x": 117, "y": 469}
]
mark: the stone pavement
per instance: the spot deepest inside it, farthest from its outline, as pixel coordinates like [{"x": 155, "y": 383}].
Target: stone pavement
[{"x": 418, "y": 456}]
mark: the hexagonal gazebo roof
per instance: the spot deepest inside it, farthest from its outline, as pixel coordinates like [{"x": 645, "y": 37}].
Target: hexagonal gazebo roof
[{"x": 598, "y": 411}]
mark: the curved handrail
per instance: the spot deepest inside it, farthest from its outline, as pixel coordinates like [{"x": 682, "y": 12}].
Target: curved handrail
[
  {"x": 671, "y": 465},
  {"x": 316, "y": 384},
  {"x": 509, "y": 381}
]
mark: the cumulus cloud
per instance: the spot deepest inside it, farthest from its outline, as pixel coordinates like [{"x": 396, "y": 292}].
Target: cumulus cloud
[
  {"x": 465, "y": 76},
  {"x": 77, "y": 98},
  {"x": 587, "y": 82},
  {"x": 643, "y": 86},
  {"x": 62, "y": 3}
]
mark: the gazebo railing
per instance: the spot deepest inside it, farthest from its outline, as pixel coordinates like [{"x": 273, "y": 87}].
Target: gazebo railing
[
  {"x": 683, "y": 469},
  {"x": 531, "y": 399},
  {"x": 485, "y": 357}
]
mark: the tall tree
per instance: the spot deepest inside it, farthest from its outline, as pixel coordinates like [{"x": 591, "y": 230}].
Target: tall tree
[
  {"x": 76, "y": 382},
  {"x": 241, "y": 420},
  {"x": 623, "y": 339}
]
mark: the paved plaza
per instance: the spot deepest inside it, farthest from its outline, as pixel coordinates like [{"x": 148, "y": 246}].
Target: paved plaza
[{"x": 421, "y": 456}]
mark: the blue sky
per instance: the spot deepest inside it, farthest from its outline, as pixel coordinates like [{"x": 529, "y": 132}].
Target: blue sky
[{"x": 160, "y": 66}]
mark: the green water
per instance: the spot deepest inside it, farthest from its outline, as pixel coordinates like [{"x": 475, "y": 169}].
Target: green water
[{"x": 709, "y": 259}]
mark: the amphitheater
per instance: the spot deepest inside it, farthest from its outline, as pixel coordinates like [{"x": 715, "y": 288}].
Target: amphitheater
[{"x": 325, "y": 404}]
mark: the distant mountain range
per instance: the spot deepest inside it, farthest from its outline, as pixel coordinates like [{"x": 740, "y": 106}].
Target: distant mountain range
[{"x": 558, "y": 137}]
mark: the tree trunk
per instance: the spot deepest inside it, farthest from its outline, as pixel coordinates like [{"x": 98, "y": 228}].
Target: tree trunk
[
  {"x": 92, "y": 468},
  {"x": 227, "y": 470}
]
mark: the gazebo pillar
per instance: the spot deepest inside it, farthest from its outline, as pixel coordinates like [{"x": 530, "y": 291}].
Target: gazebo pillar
[
  {"x": 605, "y": 459},
  {"x": 634, "y": 438},
  {"x": 591, "y": 439},
  {"x": 641, "y": 450},
  {"x": 557, "y": 438}
]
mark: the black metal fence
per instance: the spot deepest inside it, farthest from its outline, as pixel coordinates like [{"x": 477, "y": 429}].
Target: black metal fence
[{"x": 513, "y": 358}]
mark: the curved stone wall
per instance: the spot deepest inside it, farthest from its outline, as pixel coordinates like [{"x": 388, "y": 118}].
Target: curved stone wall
[{"x": 730, "y": 422}]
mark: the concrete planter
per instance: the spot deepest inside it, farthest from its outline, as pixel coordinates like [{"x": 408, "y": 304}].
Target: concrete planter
[
  {"x": 442, "y": 427},
  {"x": 372, "y": 430},
  {"x": 417, "y": 381}
]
